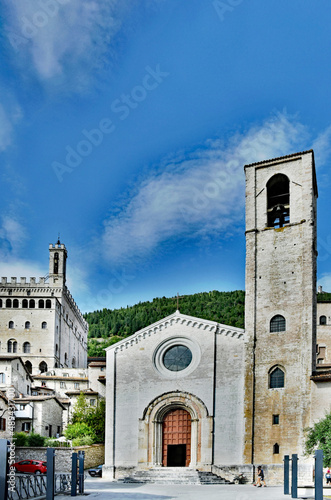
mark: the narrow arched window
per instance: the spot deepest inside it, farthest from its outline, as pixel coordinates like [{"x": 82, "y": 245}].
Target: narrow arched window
[
  {"x": 27, "y": 325},
  {"x": 11, "y": 324},
  {"x": 73, "y": 362},
  {"x": 43, "y": 367},
  {"x": 48, "y": 304},
  {"x": 65, "y": 358},
  {"x": 44, "y": 325},
  {"x": 278, "y": 201},
  {"x": 8, "y": 302},
  {"x": 56, "y": 350},
  {"x": 278, "y": 324},
  {"x": 41, "y": 304},
  {"x": 11, "y": 346},
  {"x": 15, "y": 304},
  {"x": 26, "y": 347},
  {"x": 25, "y": 303},
  {"x": 276, "y": 449},
  {"x": 0, "y": 302},
  {"x": 28, "y": 366},
  {"x": 56, "y": 263},
  {"x": 276, "y": 378},
  {"x": 32, "y": 304},
  {"x": 2, "y": 378},
  {"x": 322, "y": 320}
]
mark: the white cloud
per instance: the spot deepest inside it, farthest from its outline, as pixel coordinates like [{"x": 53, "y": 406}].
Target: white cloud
[
  {"x": 8, "y": 117},
  {"x": 195, "y": 196},
  {"x": 63, "y": 37},
  {"x": 12, "y": 236},
  {"x": 322, "y": 147},
  {"x": 21, "y": 268}
]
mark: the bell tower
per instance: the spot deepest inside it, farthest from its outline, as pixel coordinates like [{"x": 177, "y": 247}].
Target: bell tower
[
  {"x": 57, "y": 264},
  {"x": 280, "y": 309}
]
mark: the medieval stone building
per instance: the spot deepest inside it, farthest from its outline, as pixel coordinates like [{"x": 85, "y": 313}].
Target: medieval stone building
[
  {"x": 194, "y": 393},
  {"x": 40, "y": 321}
]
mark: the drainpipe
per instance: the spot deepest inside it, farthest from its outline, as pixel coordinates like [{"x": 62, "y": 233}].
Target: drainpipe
[{"x": 214, "y": 395}]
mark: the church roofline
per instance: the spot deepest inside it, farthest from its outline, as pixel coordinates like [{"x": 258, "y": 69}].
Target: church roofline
[
  {"x": 292, "y": 155},
  {"x": 177, "y": 317},
  {"x": 288, "y": 158}
]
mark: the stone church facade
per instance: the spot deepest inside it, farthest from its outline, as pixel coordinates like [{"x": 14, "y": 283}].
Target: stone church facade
[{"x": 194, "y": 393}]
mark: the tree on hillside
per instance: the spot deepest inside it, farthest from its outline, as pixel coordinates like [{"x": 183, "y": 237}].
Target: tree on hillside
[{"x": 319, "y": 437}]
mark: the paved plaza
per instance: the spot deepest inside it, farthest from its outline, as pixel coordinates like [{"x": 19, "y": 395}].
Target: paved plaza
[{"x": 100, "y": 489}]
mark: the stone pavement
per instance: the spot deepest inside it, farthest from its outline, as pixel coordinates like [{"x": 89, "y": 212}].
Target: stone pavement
[{"x": 100, "y": 489}]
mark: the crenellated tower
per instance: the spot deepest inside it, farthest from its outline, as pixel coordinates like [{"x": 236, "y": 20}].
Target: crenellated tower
[{"x": 57, "y": 264}]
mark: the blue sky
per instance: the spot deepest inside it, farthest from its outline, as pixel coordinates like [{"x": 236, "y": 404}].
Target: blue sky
[{"x": 125, "y": 126}]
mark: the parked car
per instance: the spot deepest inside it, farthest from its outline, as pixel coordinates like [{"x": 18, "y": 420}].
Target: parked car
[
  {"x": 32, "y": 466},
  {"x": 97, "y": 471}
]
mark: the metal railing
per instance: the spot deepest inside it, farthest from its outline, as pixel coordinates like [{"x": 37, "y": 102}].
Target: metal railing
[{"x": 31, "y": 485}]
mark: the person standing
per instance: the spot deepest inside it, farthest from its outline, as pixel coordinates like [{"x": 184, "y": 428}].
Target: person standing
[
  {"x": 260, "y": 477},
  {"x": 328, "y": 476}
]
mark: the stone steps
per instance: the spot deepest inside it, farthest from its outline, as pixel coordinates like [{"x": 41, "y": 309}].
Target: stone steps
[{"x": 173, "y": 475}]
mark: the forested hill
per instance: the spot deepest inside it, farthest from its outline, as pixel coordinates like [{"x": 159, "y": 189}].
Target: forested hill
[{"x": 109, "y": 326}]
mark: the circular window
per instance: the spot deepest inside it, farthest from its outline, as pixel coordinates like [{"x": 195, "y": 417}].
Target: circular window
[{"x": 177, "y": 358}]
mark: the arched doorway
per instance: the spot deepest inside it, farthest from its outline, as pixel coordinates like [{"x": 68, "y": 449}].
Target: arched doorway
[{"x": 176, "y": 438}]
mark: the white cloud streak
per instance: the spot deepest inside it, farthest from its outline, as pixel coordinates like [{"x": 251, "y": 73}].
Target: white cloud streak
[
  {"x": 196, "y": 196},
  {"x": 63, "y": 37},
  {"x": 8, "y": 118}
]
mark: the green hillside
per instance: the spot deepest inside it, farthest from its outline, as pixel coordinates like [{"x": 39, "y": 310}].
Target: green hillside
[{"x": 109, "y": 326}]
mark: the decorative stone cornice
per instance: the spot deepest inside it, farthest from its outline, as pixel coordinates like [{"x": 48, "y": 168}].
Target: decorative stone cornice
[{"x": 177, "y": 319}]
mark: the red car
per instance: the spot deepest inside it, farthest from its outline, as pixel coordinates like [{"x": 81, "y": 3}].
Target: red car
[{"x": 32, "y": 466}]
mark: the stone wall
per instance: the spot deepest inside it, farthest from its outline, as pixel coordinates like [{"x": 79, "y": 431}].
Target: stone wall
[{"x": 94, "y": 455}]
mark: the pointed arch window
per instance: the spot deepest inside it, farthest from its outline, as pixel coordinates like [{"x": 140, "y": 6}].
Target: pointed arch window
[
  {"x": 278, "y": 201},
  {"x": 26, "y": 347},
  {"x": 43, "y": 367},
  {"x": 28, "y": 366},
  {"x": 276, "y": 378},
  {"x": 276, "y": 449},
  {"x": 322, "y": 320},
  {"x": 278, "y": 324}
]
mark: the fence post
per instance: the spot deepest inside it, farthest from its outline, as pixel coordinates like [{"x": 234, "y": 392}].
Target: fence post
[
  {"x": 318, "y": 475},
  {"x": 50, "y": 457},
  {"x": 74, "y": 474},
  {"x": 286, "y": 474},
  {"x": 81, "y": 455},
  {"x": 294, "y": 489},
  {"x": 4, "y": 469}
]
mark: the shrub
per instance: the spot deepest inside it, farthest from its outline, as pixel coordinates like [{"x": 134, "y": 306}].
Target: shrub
[
  {"x": 83, "y": 441},
  {"x": 20, "y": 438},
  {"x": 35, "y": 439},
  {"x": 79, "y": 430}
]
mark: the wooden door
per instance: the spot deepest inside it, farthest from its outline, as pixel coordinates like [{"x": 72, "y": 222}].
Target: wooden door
[{"x": 176, "y": 439}]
